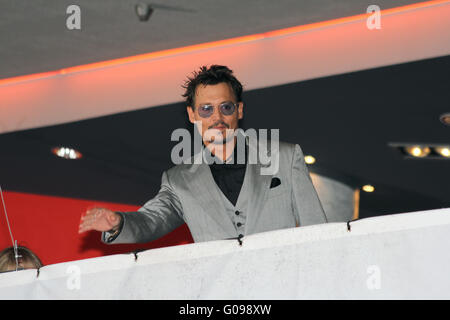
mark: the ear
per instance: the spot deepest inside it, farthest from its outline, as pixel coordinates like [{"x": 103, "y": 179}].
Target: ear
[
  {"x": 240, "y": 110},
  {"x": 191, "y": 114}
]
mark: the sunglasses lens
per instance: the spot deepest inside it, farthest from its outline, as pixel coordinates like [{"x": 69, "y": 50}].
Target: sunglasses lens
[
  {"x": 227, "y": 108},
  {"x": 205, "y": 111}
]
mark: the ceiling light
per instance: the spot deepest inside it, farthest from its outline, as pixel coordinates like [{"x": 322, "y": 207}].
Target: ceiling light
[
  {"x": 443, "y": 151},
  {"x": 368, "y": 188},
  {"x": 310, "y": 159},
  {"x": 445, "y": 119},
  {"x": 143, "y": 11},
  {"x": 422, "y": 150},
  {"x": 418, "y": 151},
  {"x": 67, "y": 153}
]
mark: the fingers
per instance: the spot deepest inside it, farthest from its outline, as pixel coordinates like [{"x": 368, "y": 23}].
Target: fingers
[
  {"x": 94, "y": 212},
  {"x": 83, "y": 228},
  {"x": 88, "y": 220},
  {"x": 86, "y": 224}
]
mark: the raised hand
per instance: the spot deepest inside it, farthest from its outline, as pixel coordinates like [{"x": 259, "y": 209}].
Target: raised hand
[{"x": 99, "y": 219}]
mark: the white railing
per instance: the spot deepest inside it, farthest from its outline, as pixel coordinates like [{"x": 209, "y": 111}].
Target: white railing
[{"x": 402, "y": 256}]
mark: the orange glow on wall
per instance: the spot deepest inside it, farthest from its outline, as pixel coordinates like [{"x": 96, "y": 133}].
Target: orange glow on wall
[{"x": 214, "y": 44}]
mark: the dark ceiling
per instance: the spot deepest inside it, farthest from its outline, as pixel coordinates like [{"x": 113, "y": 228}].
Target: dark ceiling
[{"x": 345, "y": 121}]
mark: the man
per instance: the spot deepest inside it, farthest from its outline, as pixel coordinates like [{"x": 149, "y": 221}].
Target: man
[{"x": 223, "y": 199}]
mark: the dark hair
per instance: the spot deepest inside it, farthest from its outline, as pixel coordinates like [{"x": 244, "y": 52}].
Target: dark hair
[
  {"x": 209, "y": 76},
  {"x": 8, "y": 261}
]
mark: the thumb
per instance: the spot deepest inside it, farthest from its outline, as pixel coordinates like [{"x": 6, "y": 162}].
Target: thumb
[{"x": 113, "y": 218}]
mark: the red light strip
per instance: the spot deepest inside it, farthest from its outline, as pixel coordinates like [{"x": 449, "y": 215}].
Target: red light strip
[{"x": 215, "y": 44}]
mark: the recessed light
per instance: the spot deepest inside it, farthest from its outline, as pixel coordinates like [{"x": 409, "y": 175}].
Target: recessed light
[
  {"x": 67, "y": 153},
  {"x": 368, "y": 188},
  {"x": 443, "y": 151},
  {"x": 418, "y": 151},
  {"x": 310, "y": 159},
  {"x": 422, "y": 150}
]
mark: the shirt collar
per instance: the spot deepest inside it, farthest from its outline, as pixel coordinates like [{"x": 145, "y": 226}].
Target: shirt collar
[{"x": 229, "y": 163}]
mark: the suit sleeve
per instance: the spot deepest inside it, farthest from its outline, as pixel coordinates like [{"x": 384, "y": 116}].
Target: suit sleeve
[
  {"x": 306, "y": 204},
  {"x": 156, "y": 218}
]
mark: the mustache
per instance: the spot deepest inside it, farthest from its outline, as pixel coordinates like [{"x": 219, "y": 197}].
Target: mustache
[{"x": 219, "y": 123}]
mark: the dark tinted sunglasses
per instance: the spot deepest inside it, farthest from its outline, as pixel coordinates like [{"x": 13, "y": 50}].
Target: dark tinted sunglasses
[{"x": 226, "y": 108}]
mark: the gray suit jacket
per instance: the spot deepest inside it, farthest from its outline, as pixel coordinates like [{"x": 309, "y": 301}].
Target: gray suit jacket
[{"x": 189, "y": 194}]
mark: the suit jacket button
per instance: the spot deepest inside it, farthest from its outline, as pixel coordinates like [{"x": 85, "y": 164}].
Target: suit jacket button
[
  {"x": 237, "y": 213},
  {"x": 239, "y": 224}
]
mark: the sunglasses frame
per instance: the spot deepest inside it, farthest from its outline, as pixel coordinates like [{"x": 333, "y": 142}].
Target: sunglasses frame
[{"x": 235, "y": 105}]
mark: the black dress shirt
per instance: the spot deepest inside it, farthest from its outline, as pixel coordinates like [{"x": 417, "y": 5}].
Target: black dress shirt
[{"x": 229, "y": 177}]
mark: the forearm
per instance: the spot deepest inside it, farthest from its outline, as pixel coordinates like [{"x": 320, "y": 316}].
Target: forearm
[
  {"x": 141, "y": 227},
  {"x": 156, "y": 218}
]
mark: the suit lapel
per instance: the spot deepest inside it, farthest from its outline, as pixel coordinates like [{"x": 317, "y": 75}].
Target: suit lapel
[
  {"x": 207, "y": 194},
  {"x": 255, "y": 187}
]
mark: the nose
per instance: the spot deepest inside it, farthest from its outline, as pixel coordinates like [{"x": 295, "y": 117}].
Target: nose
[{"x": 217, "y": 115}]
